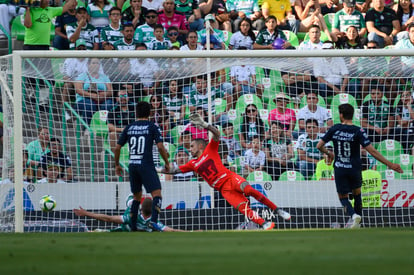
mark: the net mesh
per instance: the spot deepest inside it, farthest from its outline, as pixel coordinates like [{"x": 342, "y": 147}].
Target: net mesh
[{"x": 77, "y": 107}]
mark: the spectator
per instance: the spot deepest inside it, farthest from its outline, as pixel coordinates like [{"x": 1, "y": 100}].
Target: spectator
[
  {"x": 377, "y": 116},
  {"x": 52, "y": 174},
  {"x": 252, "y": 125},
  {"x": 279, "y": 151},
  {"x": 159, "y": 115},
  {"x": 57, "y": 157},
  {"x": 7, "y": 13},
  {"x": 153, "y": 4},
  {"x": 192, "y": 13},
  {"x": 382, "y": 24},
  {"x": 127, "y": 42},
  {"x": 313, "y": 110},
  {"x": 404, "y": 118},
  {"x": 120, "y": 116},
  {"x": 192, "y": 43},
  {"x": 216, "y": 35},
  {"x": 285, "y": 116},
  {"x": 168, "y": 17},
  {"x": 266, "y": 37},
  {"x": 145, "y": 33},
  {"x": 82, "y": 29},
  {"x": 347, "y": 17},
  {"x": 172, "y": 34},
  {"x": 133, "y": 15},
  {"x": 146, "y": 69},
  {"x": 185, "y": 139},
  {"x": 113, "y": 32},
  {"x": 407, "y": 62},
  {"x": 324, "y": 168},
  {"x": 314, "y": 42},
  {"x": 331, "y": 73},
  {"x": 98, "y": 11},
  {"x": 233, "y": 145},
  {"x": 175, "y": 103},
  {"x": 243, "y": 79},
  {"x": 308, "y": 154},
  {"x": 72, "y": 68},
  {"x": 28, "y": 171},
  {"x": 245, "y": 9},
  {"x": 61, "y": 41},
  {"x": 351, "y": 40},
  {"x": 282, "y": 10},
  {"x": 244, "y": 37},
  {"x": 218, "y": 9},
  {"x": 93, "y": 91},
  {"x": 405, "y": 15},
  {"x": 255, "y": 157},
  {"x": 37, "y": 148},
  {"x": 158, "y": 42},
  {"x": 309, "y": 14},
  {"x": 37, "y": 22},
  {"x": 182, "y": 156}
]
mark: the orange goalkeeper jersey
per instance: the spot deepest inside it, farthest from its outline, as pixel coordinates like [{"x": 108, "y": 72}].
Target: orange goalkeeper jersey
[{"x": 209, "y": 166}]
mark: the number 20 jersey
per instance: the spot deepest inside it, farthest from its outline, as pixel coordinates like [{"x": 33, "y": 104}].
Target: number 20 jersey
[{"x": 209, "y": 166}]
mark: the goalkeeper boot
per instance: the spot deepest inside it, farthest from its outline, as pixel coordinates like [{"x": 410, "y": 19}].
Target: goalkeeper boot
[
  {"x": 356, "y": 221},
  {"x": 155, "y": 227},
  {"x": 268, "y": 225},
  {"x": 285, "y": 215}
]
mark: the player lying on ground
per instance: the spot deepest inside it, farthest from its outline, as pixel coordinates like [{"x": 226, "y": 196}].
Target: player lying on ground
[
  {"x": 233, "y": 187},
  {"x": 347, "y": 140},
  {"x": 143, "y": 221}
]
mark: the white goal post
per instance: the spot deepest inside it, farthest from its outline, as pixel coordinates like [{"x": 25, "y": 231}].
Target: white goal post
[{"x": 314, "y": 203}]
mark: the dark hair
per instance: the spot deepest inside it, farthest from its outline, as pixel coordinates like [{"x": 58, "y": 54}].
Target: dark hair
[
  {"x": 114, "y": 9},
  {"x": 277, "y": 123},
  {"x": 259, "y": 124},
  {"x": 250, "y": 33},
  {"x": 200, "y": 141},
  {"x": 226, "y": 125},
  {"x": 143, "y": 109},
  {"x": 141, "y": 45},
  {"x": 151, "y": 11},
  {"x": 347, "y": 111},
  {"x": 315, "y": 26},
  {"x": 106, "y": 2},
  {"x": 172, "y": 28},
  {"x": 146, "y": 206},
  {"x": 374, "y": 85},
  {"x": 270, "y": 17},
  {"x": 311, "y": 120},
  {"x": 373, "y": 42},
  {"x": 55, "y": 139},
  {"x": 127, "y": 24},
  {"x": 411, "y": 25},
  {"x": 158, "y": 26}
]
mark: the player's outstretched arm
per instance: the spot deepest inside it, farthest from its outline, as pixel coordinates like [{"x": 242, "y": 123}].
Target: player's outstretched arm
[
  {"x": 321, "y": 147},
  {"x": 117, "y": 153},
  {"x": 101, "y": 217},
  {"x": 377, "y": 155},
  {"x": 171, "y": 171}
]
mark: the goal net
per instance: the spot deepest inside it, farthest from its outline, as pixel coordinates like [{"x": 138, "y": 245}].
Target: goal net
[{"x": 62, "y": 113}]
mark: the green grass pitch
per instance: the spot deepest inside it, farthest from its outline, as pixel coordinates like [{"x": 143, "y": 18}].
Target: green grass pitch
[{"x": 340, "y": 251}]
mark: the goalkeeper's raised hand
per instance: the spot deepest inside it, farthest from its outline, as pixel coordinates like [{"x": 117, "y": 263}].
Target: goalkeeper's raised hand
[{"x": 197, "y": 120}]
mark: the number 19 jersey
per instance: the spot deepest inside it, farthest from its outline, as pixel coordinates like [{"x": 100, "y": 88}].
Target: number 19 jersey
[
  {"x": 209, "y": 166},
  {"x": 347, "y": 140},
  {"x": 140, "y": 136}
]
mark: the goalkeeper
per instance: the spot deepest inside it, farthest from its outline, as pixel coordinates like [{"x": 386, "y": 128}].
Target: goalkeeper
[
  {"x": 234, "y": 188},
  {"x": 144, "y": 218}
]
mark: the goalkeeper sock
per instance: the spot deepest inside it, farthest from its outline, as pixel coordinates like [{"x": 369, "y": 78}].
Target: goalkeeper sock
[
  {"x": 358, "y": 204},
  {"x": 348, "y": 207},
  {"x": 156, "y": 208},
  {"x": 251, "y": 215},
  {"x": 134, "y": 215},
  {"x": 250, "y": 191}
]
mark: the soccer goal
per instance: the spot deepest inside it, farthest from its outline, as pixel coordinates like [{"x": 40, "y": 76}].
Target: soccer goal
[{"x": 62, "y": 113}]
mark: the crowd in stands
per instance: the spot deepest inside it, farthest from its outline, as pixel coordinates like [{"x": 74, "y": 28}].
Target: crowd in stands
[{"x": 272, "y": 135}]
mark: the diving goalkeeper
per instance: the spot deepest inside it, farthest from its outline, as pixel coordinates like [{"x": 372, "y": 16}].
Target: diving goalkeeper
[{"x": 234, "y": 188}]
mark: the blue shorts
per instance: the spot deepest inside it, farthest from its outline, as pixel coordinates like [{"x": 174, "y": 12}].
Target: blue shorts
[
  {"x": 347, "y": 180},
  {"x": 143, "y": 175}
]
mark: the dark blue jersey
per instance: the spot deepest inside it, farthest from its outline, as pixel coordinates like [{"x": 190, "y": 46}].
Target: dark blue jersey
[
  {"x": 140, "y": 135},
  {"x": 347, "y": 140}
]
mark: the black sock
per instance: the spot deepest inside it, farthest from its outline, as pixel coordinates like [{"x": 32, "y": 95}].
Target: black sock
[
  {"x": 358, "y": 204},
  {"x": 348, "y": 207},
  {"x": 134, "y": 215},
  {"x": 156, "y": 208}
]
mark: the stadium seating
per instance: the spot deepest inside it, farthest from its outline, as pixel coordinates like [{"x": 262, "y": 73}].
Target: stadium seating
[
  {"x": 323, "y": 38},
  {"x": 342, "y": 99},
  {"x": 321, "y": 101},
  {"x": 259, "y": 176},
  {"x": 390, "y": 175},
  {"x": 247, "y": 99},
  {"x": 291, "y": 38},
  {"x": 291, "y": 175},
  {"x": 18, "y": 30},
  {"x": 98, "y": 123},
  {"x": 175, "y": 133},
  {"x": 406, "y": 162},
  {"x": 368, "y": 97},
  {"x": 227, "y": 37},
  {"x": 391, "y": 149},
  {"x": 220, "y": 105},
  {"x": 329, "y": 18}
]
